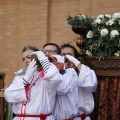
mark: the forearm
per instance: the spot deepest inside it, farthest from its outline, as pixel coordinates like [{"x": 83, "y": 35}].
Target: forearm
[
  {"x": 16, "y": 91},
  {"x": 69, "y": 82},
  {"x": 87, "y": 78},
  {"x": 15, "y": 96}
]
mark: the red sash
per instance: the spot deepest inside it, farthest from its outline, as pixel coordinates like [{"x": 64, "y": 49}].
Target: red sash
[
  {"x": 82, "y": 116},
  {"x": 41, "y": 116}
]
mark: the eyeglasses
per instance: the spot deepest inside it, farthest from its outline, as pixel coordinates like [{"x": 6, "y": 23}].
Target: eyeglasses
[
  {"x": 64, "y": 54},
  {"x": 49, "y": 51}
]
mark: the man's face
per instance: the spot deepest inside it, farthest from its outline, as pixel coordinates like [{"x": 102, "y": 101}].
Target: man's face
[
  {"x": 26, "y": 58},
  {"x": 67, "y": 51},
  {"x": 50, "y": 50}
]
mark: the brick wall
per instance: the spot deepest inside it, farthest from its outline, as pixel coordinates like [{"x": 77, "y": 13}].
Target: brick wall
[{"x": 35, "y": 22}]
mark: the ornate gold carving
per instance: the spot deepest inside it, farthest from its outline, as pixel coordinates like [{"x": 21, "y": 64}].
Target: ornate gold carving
[
  {"x": 107, "y": 66},
  {"x": 80, "y": 42}
]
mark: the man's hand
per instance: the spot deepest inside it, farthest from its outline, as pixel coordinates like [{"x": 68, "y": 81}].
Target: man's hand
[
  {"x": 73, "y": 60},
  {"x": 43, "y": 60},
  {"x": 31, "y": 68},
  {"x": 40, "y": 55},
  {"x": 59, "y": 58}
]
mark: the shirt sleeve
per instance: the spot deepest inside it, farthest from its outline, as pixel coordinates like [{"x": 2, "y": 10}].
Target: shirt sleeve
[
  {"x": 15, "y": 93},
  {"x": 53, "y": 77},
  {"x": 86, "y": 101},
  {"x": 69, "y": 82},
  {"x": 87, "y": 78}
]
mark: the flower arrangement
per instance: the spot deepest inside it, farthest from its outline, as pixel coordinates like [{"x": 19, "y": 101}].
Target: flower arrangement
[
  {"x": 80, "y": 23},
  {"x": 103, "y": 39},
  {"x": 80, "y": 20}
]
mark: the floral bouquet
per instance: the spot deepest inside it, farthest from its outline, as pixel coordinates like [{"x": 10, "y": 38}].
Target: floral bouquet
[
  {"x": 81, "y": 24},
  {"x": 103, "y": 40}
]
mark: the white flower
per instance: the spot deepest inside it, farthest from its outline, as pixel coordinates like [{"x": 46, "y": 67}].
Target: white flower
[
  {"x": 114, "y": 33},
  {"x": 98, "y": 21},
  {"x": 117, "y": 53},
  {"x": 88, "y": 53},
  {"x": 104, "y": 32},
  {"x": 89, "y": 34},
  {"x": 82, "y": 16},
  {"x": 108, "y": 15},
  {"x": 116, "y": 15},
  {"x": 100, "y": 16},
  {"x": 110, "y": 22}
]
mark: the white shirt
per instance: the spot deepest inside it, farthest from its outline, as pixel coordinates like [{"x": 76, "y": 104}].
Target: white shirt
[
  {"x": 67, "y": 96},
  {"x": 87, "y": 83},
  {"x": 42, "y": 95}
]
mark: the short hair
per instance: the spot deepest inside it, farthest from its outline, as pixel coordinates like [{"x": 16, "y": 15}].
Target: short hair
[
  {"x": 33, "y": 48},
  {"x": 71, "y": 46},
  {"x": 58, "y": 48}
]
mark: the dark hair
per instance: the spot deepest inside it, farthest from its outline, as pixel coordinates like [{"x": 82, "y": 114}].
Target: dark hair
[
  {"x": 33, "y": 48},
  {"x": 58, "y": 48},
  {"x": 71, "y": 46}
]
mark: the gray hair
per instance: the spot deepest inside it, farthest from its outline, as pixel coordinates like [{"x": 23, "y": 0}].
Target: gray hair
[{"x": 33, "y": 48}]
